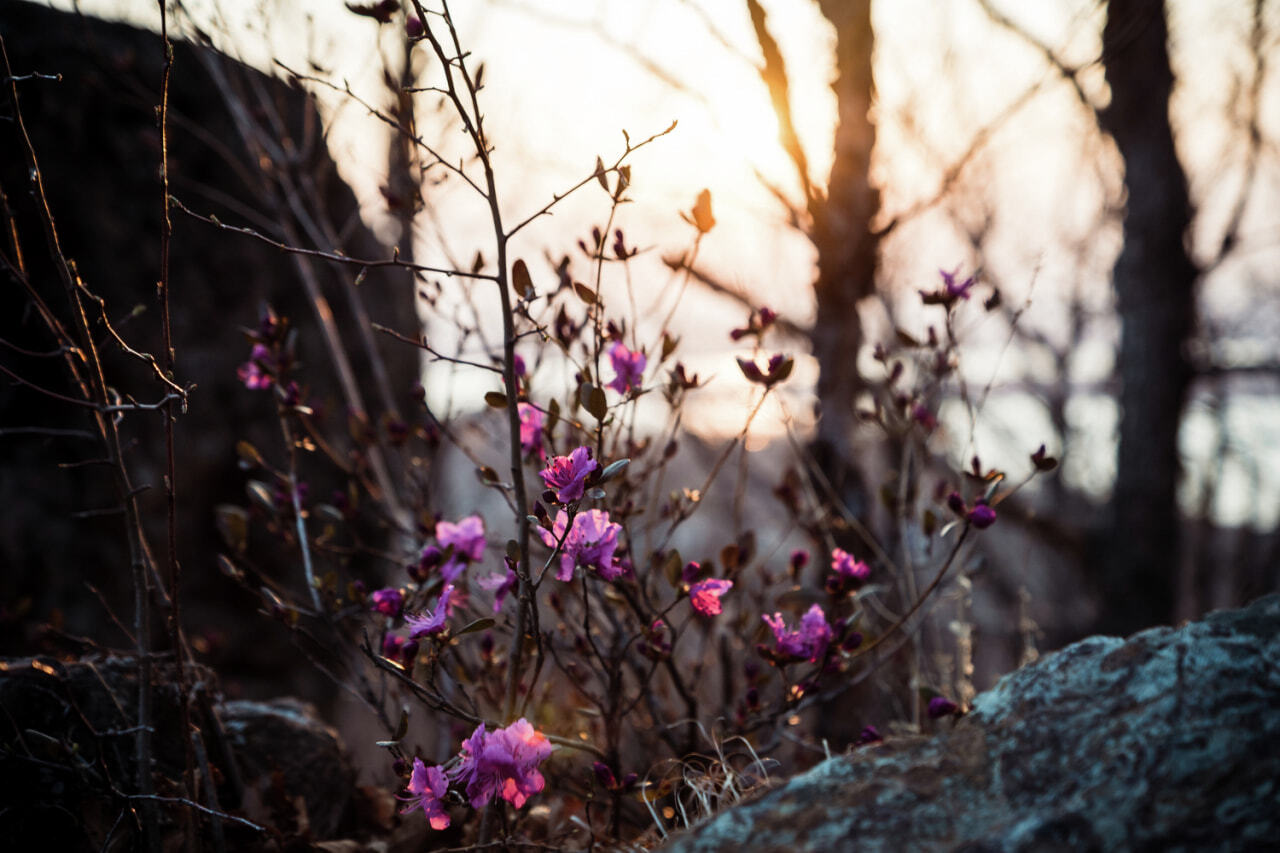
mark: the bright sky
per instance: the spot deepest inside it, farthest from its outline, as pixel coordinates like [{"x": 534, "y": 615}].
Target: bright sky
[{"x": 564, "y": 79}]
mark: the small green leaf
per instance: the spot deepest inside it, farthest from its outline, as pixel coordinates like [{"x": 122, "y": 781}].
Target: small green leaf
[
  {"x": 593, "y": 400},
  {"x": 478, "y": 625},
  {"x": 585, "y": 293},
  {"x": 672, "y": 566},
  {"x": 249, "y": 455},
  {"x": 233, "y": 525},
  {"x": 612, "y": 469},
  {"x": 496, "y": 399},
  {"x": 261, "y": 494}
]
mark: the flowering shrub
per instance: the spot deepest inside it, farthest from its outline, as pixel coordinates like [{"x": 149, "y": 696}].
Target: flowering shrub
[{"x": 605, "y": 676}]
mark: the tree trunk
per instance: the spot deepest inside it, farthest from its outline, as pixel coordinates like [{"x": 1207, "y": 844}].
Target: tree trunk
[
  {"x": 848, "y": 251},
  {"x": 1155, "y": 292}
]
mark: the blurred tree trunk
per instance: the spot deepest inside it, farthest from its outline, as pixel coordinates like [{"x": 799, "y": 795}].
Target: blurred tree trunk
[
  {"x": 848, "y": 250},
  {"x": 1154, "y": 281},
  {"x": 840, "y": 227}
]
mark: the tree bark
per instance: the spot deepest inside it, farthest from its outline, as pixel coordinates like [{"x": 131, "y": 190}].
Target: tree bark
[
  {"x": 1154, "y": 280},
  {"x": 848, "y": 251}
]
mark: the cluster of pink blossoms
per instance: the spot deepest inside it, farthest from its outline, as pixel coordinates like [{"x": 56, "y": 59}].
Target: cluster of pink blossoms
[
  {"x": 808, "y": 642},
  {"x": 567, "y": 475},
  {"x": 591, "y": 543},
  {"x": 502, "y": 763}
]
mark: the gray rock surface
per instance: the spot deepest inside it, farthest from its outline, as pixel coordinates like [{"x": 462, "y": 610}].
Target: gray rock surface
[{"x": 1169, "y": 740}]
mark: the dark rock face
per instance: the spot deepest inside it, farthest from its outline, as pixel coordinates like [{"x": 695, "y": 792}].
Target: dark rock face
[
  {"x": 96, "y": 137},
  {"x": 67, "y": 760},
  {"x": 1165, "y": 741}
]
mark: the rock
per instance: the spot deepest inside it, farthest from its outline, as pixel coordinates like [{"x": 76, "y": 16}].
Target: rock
[
  {"x": 284, "y": 750},
  {"x": 67, "y": 757},
  {"x": 1165, "y": 741},
  {"x": 94, "y": 132}
]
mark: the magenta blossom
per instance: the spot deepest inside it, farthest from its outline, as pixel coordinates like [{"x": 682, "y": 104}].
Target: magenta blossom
[
  {"x": 504, "y": 762},
  {"x": 956, "y": 289},
  {"x": 467, "y": 539},
  {"x": 427, "y": 787},
  {"x": 941, "y": 706},
  {"x": 808, "y": 642},
  {"x": 256, "y": 372},
  {"x": 846, "y": 572},
  {"x": 628, "y": 365},
  {"x": 433, "y": 622},
  {"x": 531, "y": 421},
  {"x": 500, "y": 586},
  {"x": 705, "y": 595},
  {"x": 567, "y": 475},
  {"x": 982, "y": 515},
  {"x": 388, "y": 601},
  {"x": 591, "y": 543}
]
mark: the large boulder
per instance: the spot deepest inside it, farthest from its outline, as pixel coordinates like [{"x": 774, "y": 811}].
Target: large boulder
[
  {"x": 1164, "y": 741},
  {"x": 68, "y": 761},
  {"x": 95, "y": 134}
]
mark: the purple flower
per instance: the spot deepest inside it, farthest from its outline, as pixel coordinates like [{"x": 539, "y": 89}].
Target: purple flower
[
  {"x": 391, "y": 646},
  {"x": 870, "y": 734},
  {"x": 628, "y": 367},
  {"x": 705, "y": 595},
  {"x": 846, "y": 569},
  {"x": 591, "y": 543},
  {"x": 567, "y": 474},
  {"x": 427, "y": 787},
  {"x": 941, "y": 706},
  {"x": 531, "y": 420},
  {"x": 432, "y": 623},
  {"x": 981, "y": 516},
  {"x": 413, "y": 29},
  {"x": 808, "y": 642},
  {"x": 500, "y": 586},
  {"x": 388, "y": 601},
  {"x": 956, "y": 290},
  {"x": 256, "y": 372},
  {"x": 504, "y": 762},
  {"x": 466, "y": 537}
]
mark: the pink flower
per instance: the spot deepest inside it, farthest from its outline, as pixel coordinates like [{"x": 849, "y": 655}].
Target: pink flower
[
  {"x": 956, "y": 290},
  {"x": 567, "y": 474},
  {"x": 500, "y": 586},
  {"x": 467, "y": 539},
  {"x": 705, "y": 595},
  {"x": 256, "y": 372},
  {"x": 388, "y": 601},
  {"x": 432, "y": 622},
  {"x": 591, "y": 543},
  {"x": 427, "y": 787},
  {"x": 941, "y": 706},
  {"x": 531, "y": 420},
  {"x": 981, "y": 516},
  {"x": 808, "y": 642},
  {"x": 628, "y": 367},
  {"x": 504, "y": 763},
  {"x": 846, "y": 573}
]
